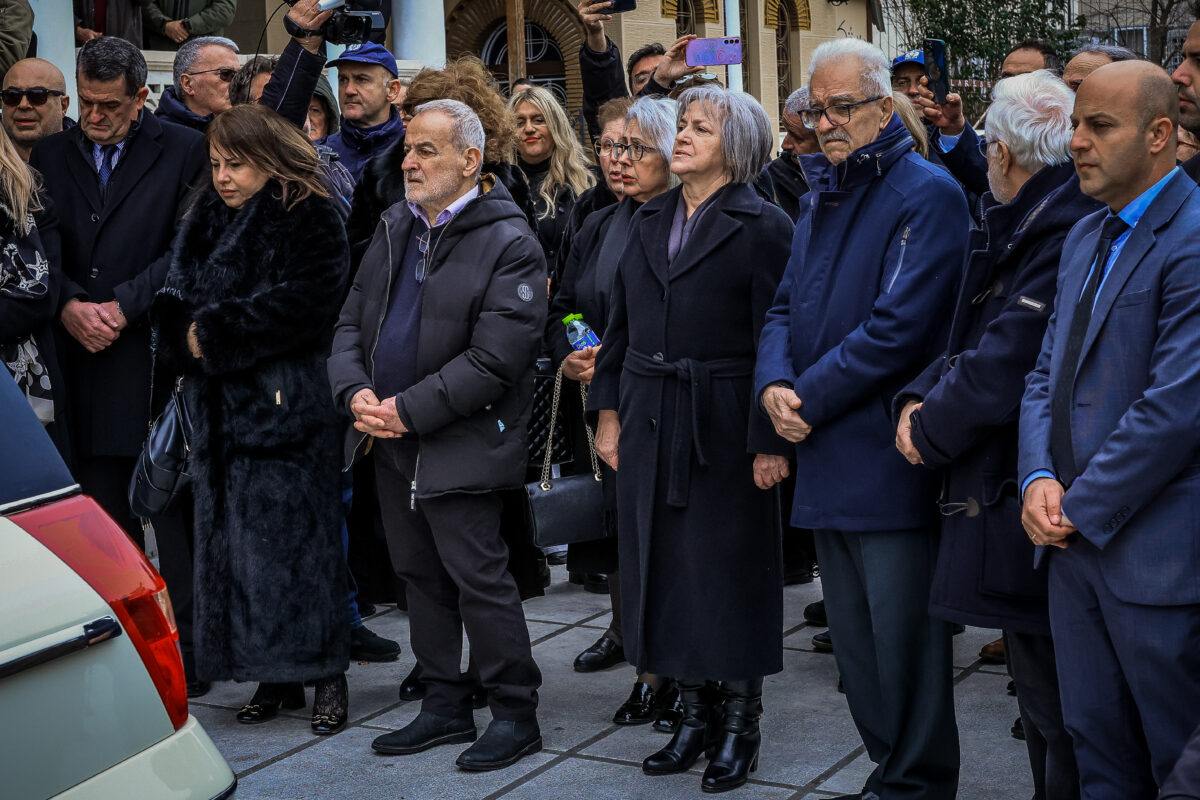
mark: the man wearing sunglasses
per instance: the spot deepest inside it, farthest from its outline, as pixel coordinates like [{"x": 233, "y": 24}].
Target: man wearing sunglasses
[
  {"x": 35, "y": 103},
  {"x": 203, "y": 69}
]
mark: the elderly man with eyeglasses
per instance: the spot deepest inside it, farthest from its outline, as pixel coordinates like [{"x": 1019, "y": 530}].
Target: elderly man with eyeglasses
[
  {"x": 203, "y": 69},
  {"x": 862, "y": 308}
]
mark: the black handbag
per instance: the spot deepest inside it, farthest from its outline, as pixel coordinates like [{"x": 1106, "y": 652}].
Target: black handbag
[
  {"x": 569, "y": 509},
  {"x": 161, "y": 471}
]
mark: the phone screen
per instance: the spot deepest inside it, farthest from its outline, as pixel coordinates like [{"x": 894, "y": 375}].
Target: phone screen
[{"x": 621, "y": 6}]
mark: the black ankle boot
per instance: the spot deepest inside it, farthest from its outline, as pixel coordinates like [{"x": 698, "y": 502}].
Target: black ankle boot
[
  {"x": 736, "y": 753},
  {"x": 331, "y": 705},
  {"x": 693, "y": 735},
  {"x": 267, "y": 699}
]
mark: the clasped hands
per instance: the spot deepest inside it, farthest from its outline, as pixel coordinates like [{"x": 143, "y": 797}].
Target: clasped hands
[
  {"x": 93, "y": 325},
  {"x": 1042, "y": 515},
  {"x": 375, "y": 418}
]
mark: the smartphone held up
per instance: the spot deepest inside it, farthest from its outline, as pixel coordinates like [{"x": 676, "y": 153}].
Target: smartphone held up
[
  {"x": 936, "y": 71},
  {"x": 714, "y": 52}
]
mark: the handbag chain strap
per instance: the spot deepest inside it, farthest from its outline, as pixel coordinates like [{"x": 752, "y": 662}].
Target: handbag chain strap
[{"x": 591, "y": 437}]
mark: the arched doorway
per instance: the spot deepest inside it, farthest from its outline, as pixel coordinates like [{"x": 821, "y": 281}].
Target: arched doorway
[
  {"x": 544, "y": 63},
  {"x": 686, "y": 18}
]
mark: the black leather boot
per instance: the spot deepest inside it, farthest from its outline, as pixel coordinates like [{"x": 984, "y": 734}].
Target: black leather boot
[
  {"x": 694, "y": 734},
  {"x": 736, "y": 754}
]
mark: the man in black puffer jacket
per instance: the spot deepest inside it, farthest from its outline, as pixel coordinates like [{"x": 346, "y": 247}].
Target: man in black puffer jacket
[{"x": 433, "y": 356}]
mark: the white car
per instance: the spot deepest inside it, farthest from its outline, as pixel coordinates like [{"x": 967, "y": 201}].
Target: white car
[{"x": 93, "y": 700}]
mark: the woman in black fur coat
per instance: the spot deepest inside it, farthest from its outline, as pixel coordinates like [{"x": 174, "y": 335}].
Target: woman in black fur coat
[{"x": 247, "y": 318}]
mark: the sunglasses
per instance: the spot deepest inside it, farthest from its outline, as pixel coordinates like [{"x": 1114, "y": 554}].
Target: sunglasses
[
  {"x": 224, "y": 73},
  {"x": 38, "y": 96}
]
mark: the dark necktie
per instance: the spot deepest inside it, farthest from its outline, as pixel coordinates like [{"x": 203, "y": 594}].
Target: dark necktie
[
  {"x": 108, "y": 154},
  {"x": 1062, "y": 449}
]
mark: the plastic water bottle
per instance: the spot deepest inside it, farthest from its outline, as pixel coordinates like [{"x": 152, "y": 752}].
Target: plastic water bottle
[{"x": 579, "y": 333}]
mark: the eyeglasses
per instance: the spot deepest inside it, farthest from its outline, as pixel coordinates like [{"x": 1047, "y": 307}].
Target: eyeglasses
[
  {"x": 983, "y": 146},
  {"x": 604, "y": 147},
  {"x": 224, "y": 73},
  {"x": 635, "y": 150},
  {"x": 837, "y": 115},
  {"x": 38, "y": 95}
]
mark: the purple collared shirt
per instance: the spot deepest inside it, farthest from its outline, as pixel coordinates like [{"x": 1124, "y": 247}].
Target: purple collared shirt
[{"x": 450, "y": 212}]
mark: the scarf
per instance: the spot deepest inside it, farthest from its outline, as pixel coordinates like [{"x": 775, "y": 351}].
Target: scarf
[{"x": 25, "y": 275}]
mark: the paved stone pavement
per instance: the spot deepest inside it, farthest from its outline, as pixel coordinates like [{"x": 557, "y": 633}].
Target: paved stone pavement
[{"x": 810, "y": 747}]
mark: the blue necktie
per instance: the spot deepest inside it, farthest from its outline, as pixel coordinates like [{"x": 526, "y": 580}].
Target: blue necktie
[{"x": 108, "y": 154}]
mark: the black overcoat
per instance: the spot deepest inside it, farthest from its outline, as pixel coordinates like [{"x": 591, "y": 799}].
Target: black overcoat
[
  {"x": 972, "y": 398},
  {"x": 262, "y": 286},
  {"x": 116, "y": 247},
  {"x": 701, "y": 567}
]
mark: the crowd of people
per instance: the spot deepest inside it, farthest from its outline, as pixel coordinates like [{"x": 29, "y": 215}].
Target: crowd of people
[{"x": 955, "y": 368}]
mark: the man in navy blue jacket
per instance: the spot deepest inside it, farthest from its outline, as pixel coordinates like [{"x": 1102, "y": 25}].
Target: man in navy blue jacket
[
  {"x": 862, "y": 308},
  {"x": 1110, "y": 434}
]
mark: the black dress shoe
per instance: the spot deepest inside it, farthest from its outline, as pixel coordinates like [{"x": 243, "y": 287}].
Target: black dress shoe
[
  {"x": 198, "y": 688},
  {"x": 426, "y": 731},
  {"x": 557, "y": 558},
  {"x": 1018, "y": 729},
  {"x": 1011, "y": 689},
  {"x": 798, "y": 576},
  {"x": 267, "y": 699},
  {"x": 639, "y": 709},
  {"x": 331, "y": 705},
  {"x": 605, "y": 653},
  {"x": 670, "y": 710},
  {"x": 366, "y": 645},
  {"x": 411, "y": 688},
  {"x": 505, "y": 742},
  {"x": 823, "y": 642},
  {"x": 814, "y": 614},
  {"x": 596, "y": 583}
]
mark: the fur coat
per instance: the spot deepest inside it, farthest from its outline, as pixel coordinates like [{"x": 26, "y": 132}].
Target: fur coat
[{"x": 262, "y": 286}]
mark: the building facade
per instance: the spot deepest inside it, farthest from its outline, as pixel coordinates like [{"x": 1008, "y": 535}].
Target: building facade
[{"x": 778, "y": 36}]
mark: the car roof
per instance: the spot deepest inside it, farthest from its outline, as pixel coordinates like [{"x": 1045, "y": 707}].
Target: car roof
[{"x": 31, "y": 470}]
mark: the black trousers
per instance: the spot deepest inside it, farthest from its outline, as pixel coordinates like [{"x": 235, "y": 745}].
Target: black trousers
[
  {"x": 174, "y": 534},
  {"x": 1051, "y": 755},
  {"x": 106, "y": 480},
  {"x": 449, "y": 552},
  {"x": 894, "y": 658}
]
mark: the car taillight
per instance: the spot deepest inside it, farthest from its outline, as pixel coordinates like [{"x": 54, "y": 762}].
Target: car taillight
[{"x": 79, "y": 532}]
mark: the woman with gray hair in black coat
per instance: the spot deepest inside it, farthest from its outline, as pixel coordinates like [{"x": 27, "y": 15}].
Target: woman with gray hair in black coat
[{"x": 696, "y": 460}]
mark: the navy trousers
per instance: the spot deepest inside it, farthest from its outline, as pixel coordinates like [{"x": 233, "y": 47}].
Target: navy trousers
[
  {"x": 894, "y": 658},
  {"x": 1129, "y": 677}
]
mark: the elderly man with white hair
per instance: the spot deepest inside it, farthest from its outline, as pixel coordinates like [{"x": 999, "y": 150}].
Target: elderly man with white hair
[
  {"x": 960, "y": 415},
  {"x": 433, "y": 358},
  {"x": 862, "y": 309}
]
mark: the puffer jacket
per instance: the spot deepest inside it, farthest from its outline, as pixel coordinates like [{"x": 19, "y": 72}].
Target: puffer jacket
[{"x": 482, "y": 313}]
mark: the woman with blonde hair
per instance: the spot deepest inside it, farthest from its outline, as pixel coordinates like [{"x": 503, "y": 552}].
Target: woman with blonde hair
[
  {"x": 246, "y": 318},
  {"x": 28, "y": 291},
  {"x": 553, "y": 161}
]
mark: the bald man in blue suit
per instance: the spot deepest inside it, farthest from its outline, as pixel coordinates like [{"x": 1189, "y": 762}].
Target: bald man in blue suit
[{"x": 1110, "y": 442}]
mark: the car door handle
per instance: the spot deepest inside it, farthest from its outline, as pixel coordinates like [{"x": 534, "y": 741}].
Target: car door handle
[{"x": 92, "y": 634}]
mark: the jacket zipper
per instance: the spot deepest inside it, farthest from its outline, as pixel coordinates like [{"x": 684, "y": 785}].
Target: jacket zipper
[
  {"x": 378, "y": 328},
  {"x": 900, "y": 261},
  {"x": 412, "y": 499}
]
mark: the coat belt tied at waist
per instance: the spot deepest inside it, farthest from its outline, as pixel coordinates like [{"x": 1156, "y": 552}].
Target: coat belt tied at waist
[{"x": 691, "y": 402}]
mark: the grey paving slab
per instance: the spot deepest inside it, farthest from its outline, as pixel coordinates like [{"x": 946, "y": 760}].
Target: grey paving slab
[
  {"x": 568, "y": 778},
  {"x": 574, "y": 707},
  {"x": 345, "y": 766},
  {"x": 566, "y": 602},
  {"x": 967, "y": 644},
  {"x": 244, "y": 746}
]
